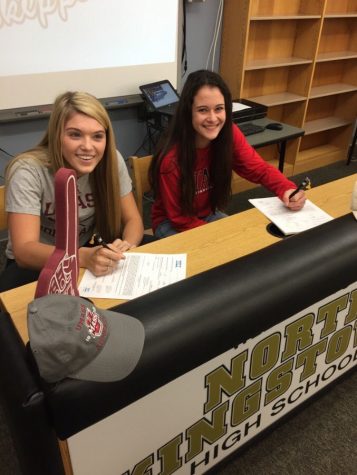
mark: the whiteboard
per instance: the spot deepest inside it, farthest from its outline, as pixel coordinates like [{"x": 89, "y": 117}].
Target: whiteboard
[{"x": 105, "y": 47}]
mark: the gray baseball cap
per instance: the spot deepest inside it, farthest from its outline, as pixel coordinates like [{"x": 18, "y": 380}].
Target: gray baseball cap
[{"x": 71, "y": 338}]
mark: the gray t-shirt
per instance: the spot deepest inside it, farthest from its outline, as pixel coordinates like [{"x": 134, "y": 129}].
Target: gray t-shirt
[{"x": 31, "y": 191}]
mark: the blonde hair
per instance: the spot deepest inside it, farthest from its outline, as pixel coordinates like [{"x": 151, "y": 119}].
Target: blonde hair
[{"x": 105, "y": 177}]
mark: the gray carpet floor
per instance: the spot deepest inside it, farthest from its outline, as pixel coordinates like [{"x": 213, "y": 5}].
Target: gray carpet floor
[{"x": 319, "y": 439}]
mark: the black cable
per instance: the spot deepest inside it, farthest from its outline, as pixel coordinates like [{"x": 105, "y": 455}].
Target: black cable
[
  {"x": 150, "y": 140},
  {"x": 184, "y": 50},
  {"x": 7, "y": 153}
]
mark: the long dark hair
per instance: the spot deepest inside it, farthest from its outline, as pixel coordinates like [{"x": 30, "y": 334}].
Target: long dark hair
[{"x": 181, "y": 134}]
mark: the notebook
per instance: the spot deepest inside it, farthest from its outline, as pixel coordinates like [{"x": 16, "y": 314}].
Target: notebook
[{"x": 161, "y": 96}]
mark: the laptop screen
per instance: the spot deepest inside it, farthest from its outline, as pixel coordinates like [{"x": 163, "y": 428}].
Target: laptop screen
[{"x": 159, "y": 94}]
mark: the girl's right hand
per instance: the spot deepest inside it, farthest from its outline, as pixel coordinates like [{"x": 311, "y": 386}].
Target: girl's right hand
[{"x": 99, "y": 260}]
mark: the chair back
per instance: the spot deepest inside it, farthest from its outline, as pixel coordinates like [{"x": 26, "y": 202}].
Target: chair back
[{"x": 140, "y": 169}]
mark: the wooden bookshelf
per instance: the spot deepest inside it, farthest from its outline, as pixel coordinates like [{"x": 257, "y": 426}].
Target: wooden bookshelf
[{"x": 299, "y": 58}]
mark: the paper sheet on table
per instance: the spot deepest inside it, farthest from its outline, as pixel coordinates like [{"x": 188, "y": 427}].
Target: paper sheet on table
[
  {"x": 238, "y": 106},
  {"x": 137, "y": 274},
  {"x": 291, "y": 222}
]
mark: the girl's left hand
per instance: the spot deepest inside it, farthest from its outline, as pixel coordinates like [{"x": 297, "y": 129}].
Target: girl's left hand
[
  {"x": 296, "y": 202},
  {"x": 122, "y": 245}
]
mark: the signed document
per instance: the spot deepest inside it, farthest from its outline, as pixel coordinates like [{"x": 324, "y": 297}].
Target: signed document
[
  {"x": 291, "y": 222},
  {"x": 136, "y": 275}
]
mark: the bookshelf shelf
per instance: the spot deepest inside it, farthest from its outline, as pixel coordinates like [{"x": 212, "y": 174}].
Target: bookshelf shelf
[
  {"x": 341, "y": 15},
  {"x": 276, "y": 63},
  {"x": 331, "y": 89},
  {"x": 336, "y": 56},
  {"x": 283, "y": 17},
  {"x": 271, "y": 100},
  {"x": 327, "y": 123}
]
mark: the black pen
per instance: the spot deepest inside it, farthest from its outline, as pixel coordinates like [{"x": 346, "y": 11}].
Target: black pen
[
  {"x": 100, "y": 241},
  {"x": 303, "y": 185}
]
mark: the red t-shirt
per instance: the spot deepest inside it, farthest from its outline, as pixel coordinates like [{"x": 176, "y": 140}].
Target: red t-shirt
[{"x": 246, "y": 163}]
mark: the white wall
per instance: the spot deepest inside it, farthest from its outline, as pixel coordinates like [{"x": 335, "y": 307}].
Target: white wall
[{"x": 18, "y": 136}]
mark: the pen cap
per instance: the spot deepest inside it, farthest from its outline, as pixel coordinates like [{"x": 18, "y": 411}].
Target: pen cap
[{"x": 354, "y": 200}]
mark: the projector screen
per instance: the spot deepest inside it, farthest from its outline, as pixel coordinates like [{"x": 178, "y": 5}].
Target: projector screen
[{"x": 106, "y": 47}]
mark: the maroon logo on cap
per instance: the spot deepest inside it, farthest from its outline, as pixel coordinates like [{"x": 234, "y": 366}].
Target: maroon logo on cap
[{"x": 93, "y": 323}]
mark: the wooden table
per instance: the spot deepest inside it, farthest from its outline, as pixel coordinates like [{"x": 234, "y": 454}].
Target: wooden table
[{"x": 207, "y": 246}]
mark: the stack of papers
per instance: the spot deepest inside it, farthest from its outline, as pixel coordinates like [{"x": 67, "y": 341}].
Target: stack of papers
[
  {"x": 136, "y": 275},
  {"x": 291, "y": 222}
]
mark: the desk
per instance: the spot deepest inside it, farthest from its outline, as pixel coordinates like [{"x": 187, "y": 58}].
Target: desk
[
  {"x": 269, "y": 137},
  {"x": 187, "y": 398},
  {"x": 206, "y": 246}
]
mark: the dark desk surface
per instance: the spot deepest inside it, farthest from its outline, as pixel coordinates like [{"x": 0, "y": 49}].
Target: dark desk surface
[{"x": 268, "y": 136}]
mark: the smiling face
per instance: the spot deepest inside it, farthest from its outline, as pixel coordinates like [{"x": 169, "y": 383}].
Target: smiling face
[
  {"x": 208, "y": 115},
  {"x": 83, "y": 143}
]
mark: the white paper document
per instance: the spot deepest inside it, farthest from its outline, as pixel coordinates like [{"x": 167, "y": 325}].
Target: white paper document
[
  {"x": 137, "y": 274},
  {"x": 238, "y": 106},
  {"x": 291, "y": 222}
]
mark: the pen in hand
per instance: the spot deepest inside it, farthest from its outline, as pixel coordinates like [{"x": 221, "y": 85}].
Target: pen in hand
[
  {"x": 303, "y": 186},
  {"x": 99, "y": 241}
]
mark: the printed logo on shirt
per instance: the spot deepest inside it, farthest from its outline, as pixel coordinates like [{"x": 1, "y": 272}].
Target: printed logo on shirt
[
  {"x": 49, "y": 212},
  {"x": 202, "y": 181},
  {"x": 49, "y": 231},
  {"x": 87, "y": 201},
  {"x": 49, "y": 209}
]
